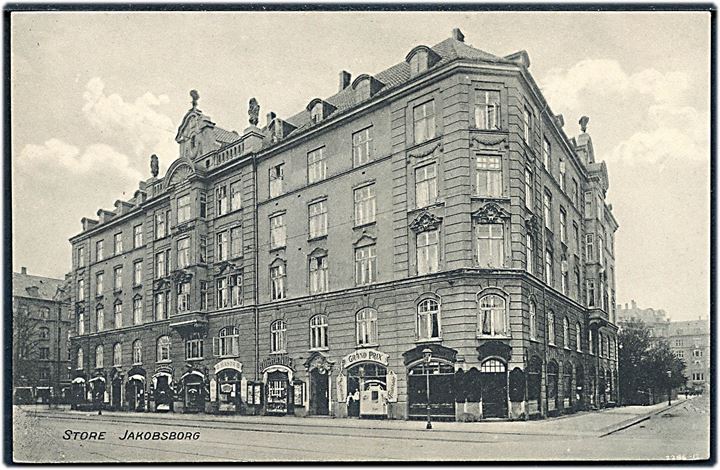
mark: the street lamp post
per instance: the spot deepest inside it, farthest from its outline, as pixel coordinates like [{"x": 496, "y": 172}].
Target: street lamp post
[
  {"x": 669, "y": 375},
  {"x": 427, "y": 355}
]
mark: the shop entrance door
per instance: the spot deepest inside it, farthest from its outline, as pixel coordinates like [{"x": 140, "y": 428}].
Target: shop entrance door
[
  {"x": 277, "y": 393},
  {"x": 441, "y": 378},
  {"x": 493, "y": 383},
  {"x": 319, "y": 389},
  {"x": 136, "y": 395},
  {"x": 366, "y": 384},
  {"x": 194, "y": 397},
  {"x": 228, "y": 390},
  {"x": 115, "y": 392}
]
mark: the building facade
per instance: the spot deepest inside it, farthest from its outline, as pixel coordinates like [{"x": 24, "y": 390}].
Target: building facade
[
  {"x": 428, "y": 226},
  {"x": 690, "y": 341},
  {"x": 656, "y": 320},
  {"x": 41, "y": 324}
]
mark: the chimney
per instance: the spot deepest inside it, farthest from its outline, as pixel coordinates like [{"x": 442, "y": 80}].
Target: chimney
[
  {"x": 344, "y": 80},
  {"x": 23, "y": 270},
  {"x": 626, "y": 306},
  {"x": 458, "y": 35},
  {"x": 634, "y": 305},
  {"x": 270, "y": 117}
]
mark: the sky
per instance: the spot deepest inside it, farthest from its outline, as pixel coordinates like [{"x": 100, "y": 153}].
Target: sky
[{"x": 93, "y": 95}]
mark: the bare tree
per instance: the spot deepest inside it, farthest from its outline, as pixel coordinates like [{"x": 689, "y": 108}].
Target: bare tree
[{"x": 25, "y": 346}]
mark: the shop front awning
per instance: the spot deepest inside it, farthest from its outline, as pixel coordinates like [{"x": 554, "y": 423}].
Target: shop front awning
[
  {"x": 78, "y": 380},
  {"x": 137, "y": 377}
]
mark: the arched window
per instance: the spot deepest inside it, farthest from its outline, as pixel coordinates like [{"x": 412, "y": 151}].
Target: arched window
[
  {"x": 99, "y": 357},
  {"x": 366, "y": 326},
  {"x": 578, "y": 336},
  {"x": 319, "y": 332},
  {"x": 533, "y": 321},
  {"x": 163, "y": 348},
  {"x": 277, "y": 336},
  {"x": 566, "y": 332},
  {"x": 551, "y": 327},
  {"x": 428, "y": 319},
  {"x": 227, "y": 342},
  {"x": 492, "y": 316},
  {"x": 117, "y": 354},
  {"x": 137, "y": 352},
  {"x": 80, "y": 358}
]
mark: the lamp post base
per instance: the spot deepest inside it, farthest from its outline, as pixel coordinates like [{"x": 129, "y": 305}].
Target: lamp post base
[{"x": 428, "y": 425}]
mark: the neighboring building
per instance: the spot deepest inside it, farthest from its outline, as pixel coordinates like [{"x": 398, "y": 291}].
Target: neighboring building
[
  {"x": 690, "y": 341},
  {"x": 656, "y": 320},
  {"x": 41, "y": 326},
  {"x": 437, "y": 206}
]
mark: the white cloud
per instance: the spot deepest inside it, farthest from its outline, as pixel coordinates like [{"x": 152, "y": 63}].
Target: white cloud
[
  {"x": 606, "y": 79},
  {"x": 137, "y": 122},
  {"x": 61, "y": 158}
]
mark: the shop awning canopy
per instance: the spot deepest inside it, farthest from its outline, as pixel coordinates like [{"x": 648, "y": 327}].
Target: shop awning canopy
[
  {"x": 137, "y": 377},
  {"x": 97, "y": 378},
  {"x": 78, "y": 380}
]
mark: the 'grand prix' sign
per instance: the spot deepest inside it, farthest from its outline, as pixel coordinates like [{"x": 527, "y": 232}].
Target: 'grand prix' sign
[{"x": 364, "y": 355}]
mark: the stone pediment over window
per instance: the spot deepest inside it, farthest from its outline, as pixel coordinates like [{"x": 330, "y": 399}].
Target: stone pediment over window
[
  {"x": 226, "y": 266},
  {"x": 320, "y": 362},
  {"x": 494, "y": 348},
  {"x": 424, "y": 222},
  {"x": 163, "y": 283},
  {"x": 532, "y": 225},
  {"x": 318, "y": 252},
  {"x": 491, "y": 213},
  {"x": 365, "y": 240},
  {"x": 178, "y": 172}
]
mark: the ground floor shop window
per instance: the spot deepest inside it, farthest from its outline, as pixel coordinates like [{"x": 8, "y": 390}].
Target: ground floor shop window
[
  {"x": 534, "y": 374},
  {"x": 278, "y": 393},
  {"x": 164, "y": 395},
  {"x": 135, "y": 393},
  {"x": 579, "y": 384},
  {"x": 228, "y": 390},
  {"x": 194, "y": 393},
  {"x": 441, "y": 379},
  {"x": 567, "y": 386},
  {"x": 367, "y": 390}
]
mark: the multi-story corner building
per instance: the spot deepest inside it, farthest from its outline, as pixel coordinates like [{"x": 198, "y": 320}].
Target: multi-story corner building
[
  {"x": 656, "y": 320},
  {"x": 429, "y": 224},
  {"x": 690, "y": 341},
  {"x": 40, "y": 327}
]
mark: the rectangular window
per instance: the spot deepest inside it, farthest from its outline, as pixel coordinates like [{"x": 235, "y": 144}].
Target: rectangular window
[
  {"x": 222, "y": 246},
  {"x": 362, "y": 146},
  {"x": 203, "y": 204},
  {"x": 137, "y": 236},
  {"x": 601, "y": 252},
  {"x": 194, "y": 349},
  {"x": 203, "y": 250},
  {"x": 277, "y": 231},
  {"x": 183, "y": 297},
  {"x": 547, "y": 209},
  {"x": 600, "y": 208},
  {"x": 564, "y": 277},
  {"x": 221, "y": 296},
  {"x": 277, "y": 279},
  {"x": 235, "y": 195},
  {"x": 100, "y": 319},
  {"x": 221, "y": 200},
  {"x": 160, "y": 306},
  {"x": 548, "y": 268},
  {"x": 236, "y": 242},
  {"x": 562, "y": 176},
  {"x": 204, "y": 295},
  {"x": 318, "y": 274},
  {"x": 490, "y": 245},
  {"x": 528, "y": 189},
  {"x": 236, "y": 284},
  {"x": 184, "y": 209},
  {"x": 137, "y": 273},
  {"x": 99, "y": 250},
  {"x": 118, "y": 315},
  {"x": 563, "y": 225},
  {"x": 427, "y": 252},
  {"x": 364, "y": 204},
  {"x": 590, "y": 292},
  {"x": 487, "y": 109},
  {"x": 488, "y": 176},
  {"x": 576, "y": 236},
  {"x": 527, "y": 124},
  {"x": 575, "y": 192},
  {"x": 183, "y": 253},
  {"x": 529, "y": 253},
  {"x": 590, "y": 247},
  {"x": 98, "y": 284},
  {"x": 117, "y": 278},
  {"x": 316, "y": 165},
  {"x": 137, "y": 312},
  {"x": 81, "y": 256},
  {"x": 588, "y": 204},
  {"x": 424, "y": 121},
  {"x": 425, "y": 185},
  {"x": 160, "y": 224},
  {"x": 546, "y": 155},
  {"x": 365, "y": 265},
  {"x": 160, "y": 265},
  {"x": 81, "y": 290},
  {"x": 118, "y": 243},
  {"x": 44, "y": 353},
  {"x": 276, "y": 180},
  {"x": 317, "y": 219}
]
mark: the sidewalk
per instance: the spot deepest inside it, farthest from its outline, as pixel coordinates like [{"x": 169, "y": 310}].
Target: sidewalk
[{"x": 586, "y": 423}]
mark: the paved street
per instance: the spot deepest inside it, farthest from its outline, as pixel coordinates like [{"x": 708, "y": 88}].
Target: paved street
[{"x": 678, "y": 432}]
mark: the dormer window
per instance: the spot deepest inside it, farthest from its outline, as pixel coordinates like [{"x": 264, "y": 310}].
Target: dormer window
[
  {"x": 420, "y": 59},
  {"x": 362, "y": 92},
  {"x": 316, "y": 114}
]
